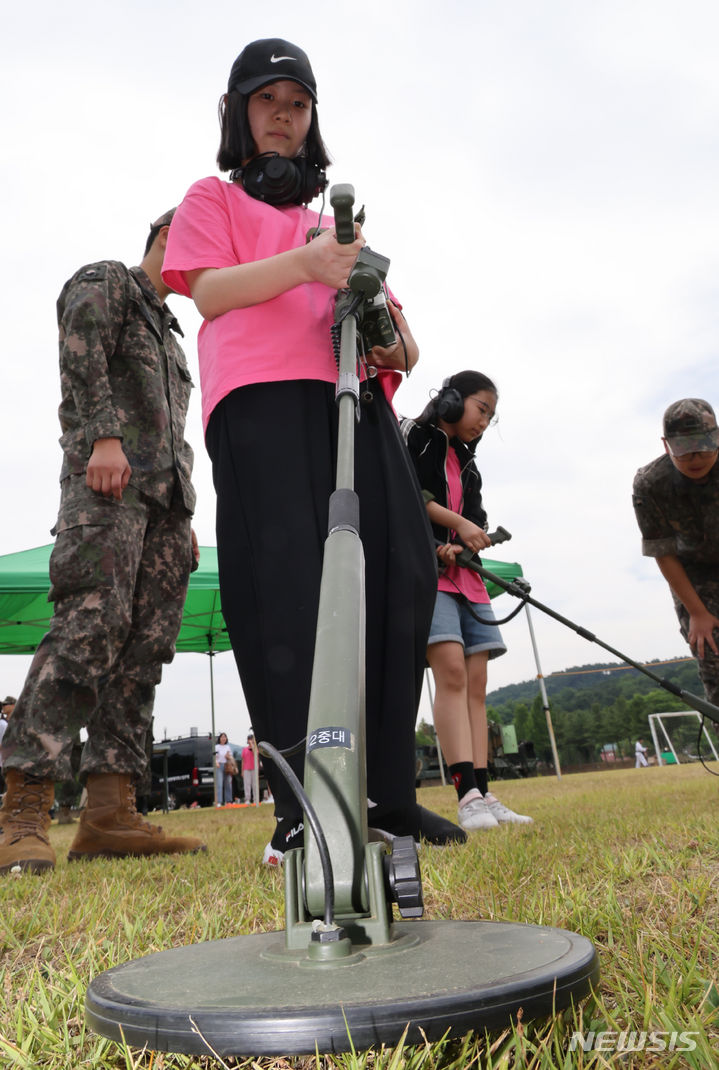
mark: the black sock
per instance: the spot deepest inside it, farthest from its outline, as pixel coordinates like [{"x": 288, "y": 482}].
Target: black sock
[
  {"x": 482, "y": 780},
  {"x": 462, "y": 776}
]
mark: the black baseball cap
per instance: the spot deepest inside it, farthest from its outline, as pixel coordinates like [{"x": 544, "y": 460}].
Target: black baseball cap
[{"x": 271, "y": 60}]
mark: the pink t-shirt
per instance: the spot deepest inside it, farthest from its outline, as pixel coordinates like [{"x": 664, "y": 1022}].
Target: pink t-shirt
[
  {"x": 288, "y": 337},
  {"x": 456, "y": 576}
]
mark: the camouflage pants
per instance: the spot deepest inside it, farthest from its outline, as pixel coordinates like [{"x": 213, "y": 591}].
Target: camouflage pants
[
  {"x": 708, "y": 666},
  {"x": 119, "y": 589}
]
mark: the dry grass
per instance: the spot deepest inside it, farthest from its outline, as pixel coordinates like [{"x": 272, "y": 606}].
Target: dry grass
[{"x": 629, "y": 859}]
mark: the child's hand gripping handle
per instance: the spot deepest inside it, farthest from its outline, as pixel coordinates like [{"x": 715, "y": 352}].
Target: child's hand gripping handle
[
  {"x": 466, "y": 557},
  {"x": 342, "y": 199}
]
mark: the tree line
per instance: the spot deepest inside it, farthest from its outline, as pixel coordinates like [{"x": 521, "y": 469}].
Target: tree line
[{"x": 596, "y": 705}]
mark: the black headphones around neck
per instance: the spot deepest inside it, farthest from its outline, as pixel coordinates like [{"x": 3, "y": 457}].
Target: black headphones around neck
[
  {"x": 449, "y": 403},
  {"x": 278, "y": 180}
]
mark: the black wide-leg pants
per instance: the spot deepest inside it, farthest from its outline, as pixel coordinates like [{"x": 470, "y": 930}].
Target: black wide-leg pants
[{"x": 273, "y": 451}]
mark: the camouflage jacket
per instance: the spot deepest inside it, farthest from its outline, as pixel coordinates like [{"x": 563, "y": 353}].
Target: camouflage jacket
[
  {"x": 679, "y": 516},
  {"x": 124, "y": 375}
]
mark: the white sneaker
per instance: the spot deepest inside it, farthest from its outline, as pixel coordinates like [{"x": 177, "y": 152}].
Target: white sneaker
[
  {"x": 474, "y": 813},
  {"x": 503, "y": 814},
  {"x": 272, "y": 857}
]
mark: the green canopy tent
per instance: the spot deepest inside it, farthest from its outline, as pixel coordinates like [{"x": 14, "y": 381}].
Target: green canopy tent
[{"x": 25, "y": 612}]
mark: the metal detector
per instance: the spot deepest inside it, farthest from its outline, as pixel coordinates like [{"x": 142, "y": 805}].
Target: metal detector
[
  {"x": 520, "y": 589},
  {"x": 345, "y": 973}
]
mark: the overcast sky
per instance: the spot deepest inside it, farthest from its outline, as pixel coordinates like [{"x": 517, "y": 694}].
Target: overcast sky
[{"x": 543, "y": 175}]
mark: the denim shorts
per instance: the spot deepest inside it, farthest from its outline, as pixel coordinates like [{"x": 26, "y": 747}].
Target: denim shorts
[{"x": 453, "y": 622}]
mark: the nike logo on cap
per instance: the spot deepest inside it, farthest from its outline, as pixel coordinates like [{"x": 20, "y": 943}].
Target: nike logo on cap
[{"x": 278, "y": 59}]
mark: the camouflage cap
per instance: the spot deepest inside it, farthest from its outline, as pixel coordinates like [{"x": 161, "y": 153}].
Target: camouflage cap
[
  {"x": 9, "y": 700},
  {"x": 164, "y": 220},
  {"x": 690, "y": 426}
]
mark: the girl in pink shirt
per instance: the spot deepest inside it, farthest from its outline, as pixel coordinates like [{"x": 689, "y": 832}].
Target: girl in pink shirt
[
  {"x": 464, "y": 635},
  {"x": 268, "y": 382}
]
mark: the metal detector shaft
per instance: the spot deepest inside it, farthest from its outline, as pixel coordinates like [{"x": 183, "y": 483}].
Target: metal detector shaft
[
  {"x": 335, "y": 775},
  {"x": 469, "y": 560}
]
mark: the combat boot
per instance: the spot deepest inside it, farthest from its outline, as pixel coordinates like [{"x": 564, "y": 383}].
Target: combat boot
[
  {"x": 24, "y": 821},
  {"x": 110, "y": 826}
]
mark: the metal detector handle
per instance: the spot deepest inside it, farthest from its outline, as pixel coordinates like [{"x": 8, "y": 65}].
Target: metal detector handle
[
  {"x": 468, "y": 557},
  {"x": 500, "y": 535},
  {"x": 342, "y": 199}
]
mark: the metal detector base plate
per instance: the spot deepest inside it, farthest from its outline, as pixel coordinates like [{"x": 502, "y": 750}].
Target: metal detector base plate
[{"x": 242, "y": 996}]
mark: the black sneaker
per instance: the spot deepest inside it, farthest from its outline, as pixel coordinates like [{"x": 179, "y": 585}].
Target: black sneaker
[
  {"x": 283, "y": 841},
  {"x": 417, "y": 822}
]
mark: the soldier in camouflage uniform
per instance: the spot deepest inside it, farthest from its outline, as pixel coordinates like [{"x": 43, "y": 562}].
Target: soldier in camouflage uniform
[
  {"x": 676, "y": 501},
  {"x": 119, "y": 569}
]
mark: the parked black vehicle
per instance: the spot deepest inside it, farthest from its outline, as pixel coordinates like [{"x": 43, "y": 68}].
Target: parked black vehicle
[{"x": 190, "y": 772}]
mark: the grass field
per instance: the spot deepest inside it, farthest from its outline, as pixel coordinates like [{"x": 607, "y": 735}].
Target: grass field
[{"x": 629, "y": 859}]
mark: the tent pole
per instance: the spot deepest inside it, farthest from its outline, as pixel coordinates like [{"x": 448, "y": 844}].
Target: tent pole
[
  {"x": 543, "y": 692},
  {"x": 211, "y": 654},
  {"x": 428, "y": 677}
]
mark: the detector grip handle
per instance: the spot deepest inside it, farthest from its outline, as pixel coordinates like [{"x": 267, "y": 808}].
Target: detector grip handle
[
  {"x": 342, "y": 199},
  {"x": 500, "y": 535}
]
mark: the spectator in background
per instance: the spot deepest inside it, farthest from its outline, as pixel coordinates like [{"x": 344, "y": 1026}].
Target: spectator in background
[
  {"x": 8, "y": 705},
  {"x": 640, "y": 754},
  {"x": 224, "y": 762},
  {"x": 249, "y": 763}
]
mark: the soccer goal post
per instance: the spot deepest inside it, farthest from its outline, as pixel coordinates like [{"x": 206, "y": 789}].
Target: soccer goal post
[{"x": 657, "y": 720}]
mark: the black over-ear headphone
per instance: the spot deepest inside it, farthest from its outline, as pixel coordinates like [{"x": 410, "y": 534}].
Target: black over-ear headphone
[
  {"x": 449, "y": 403},
  {"x": 278, "y": 180}
]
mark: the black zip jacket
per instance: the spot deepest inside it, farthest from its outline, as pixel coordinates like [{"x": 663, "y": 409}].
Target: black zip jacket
[{"x": 428, "y": 447}]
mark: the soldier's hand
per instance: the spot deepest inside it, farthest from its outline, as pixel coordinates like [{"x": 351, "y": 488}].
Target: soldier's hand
[
  {"x": 108, "y": 470},
  {"x": 701, "y": 627}
]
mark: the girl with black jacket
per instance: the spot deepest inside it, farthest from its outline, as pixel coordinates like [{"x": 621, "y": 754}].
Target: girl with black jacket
[{"x": 464, "y": 635}]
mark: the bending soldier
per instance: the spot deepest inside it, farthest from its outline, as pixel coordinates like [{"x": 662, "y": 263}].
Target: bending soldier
[{"x": 676, "y": 501}]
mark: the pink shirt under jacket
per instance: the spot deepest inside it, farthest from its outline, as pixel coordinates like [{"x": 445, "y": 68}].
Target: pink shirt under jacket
[{"x": 455, "y": 577}]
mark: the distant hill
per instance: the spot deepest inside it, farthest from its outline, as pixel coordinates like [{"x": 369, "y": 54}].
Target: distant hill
[
  {"x": 598, "y": 705},
  {"x": 607, "y": 681}
]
